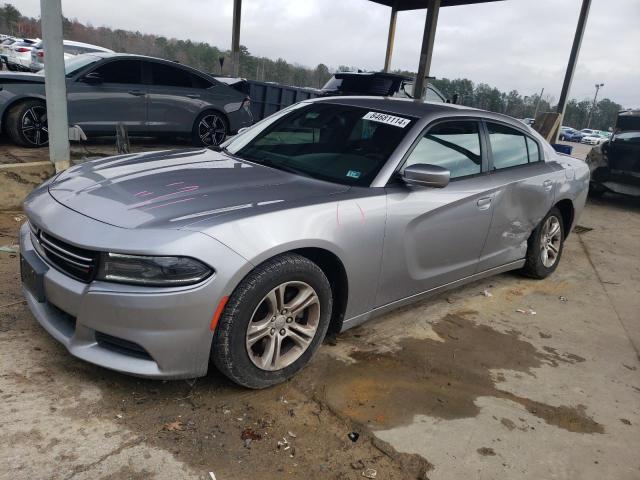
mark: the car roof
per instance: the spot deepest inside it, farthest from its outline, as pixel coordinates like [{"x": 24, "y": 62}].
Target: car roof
[
  {"x": 73, "y": 43},
  {"x": 132, "y": 55},
  {"x": 416, "y": 108},
  {"x": 372, "y": 74},
  {"x": 146, "y": 57}
]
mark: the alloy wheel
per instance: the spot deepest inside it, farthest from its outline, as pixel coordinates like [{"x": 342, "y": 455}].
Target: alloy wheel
[
  {"x": 283, "y": 325},
  {"x": 34, "y": 127},
  {"x": 212, "y": 130},
  {"x": 550, "y": 241}
]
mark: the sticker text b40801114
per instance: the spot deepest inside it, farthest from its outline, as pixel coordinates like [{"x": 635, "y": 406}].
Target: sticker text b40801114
[{"x": 386, "y": 118}]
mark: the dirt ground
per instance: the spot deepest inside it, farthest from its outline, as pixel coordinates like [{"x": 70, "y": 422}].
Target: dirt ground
[
  {"x": 463, "y": 385},
  {"x": 94, "y": 148}
]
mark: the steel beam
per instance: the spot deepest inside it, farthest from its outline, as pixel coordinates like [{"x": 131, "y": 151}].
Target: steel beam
[
  {"x": 428, "y": 39},
  {"x": 573, "y": 59},
  {"x": 235, "y": 38},
  {"x": 390, "y": 38},
  {"x": 55, "y": 84}
]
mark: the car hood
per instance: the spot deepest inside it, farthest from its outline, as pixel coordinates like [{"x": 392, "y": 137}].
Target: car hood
[
  {"x": 172, "y": 189},
  {"x": 12, "y": 77}
]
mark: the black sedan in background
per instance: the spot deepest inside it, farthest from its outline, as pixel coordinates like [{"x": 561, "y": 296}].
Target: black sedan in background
[
  {"x": 615, "y": 164},
  {"x": 148, "y": 95}
]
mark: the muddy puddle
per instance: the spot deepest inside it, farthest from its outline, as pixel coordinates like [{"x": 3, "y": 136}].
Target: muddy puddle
[{"x": 440, "y": 378}]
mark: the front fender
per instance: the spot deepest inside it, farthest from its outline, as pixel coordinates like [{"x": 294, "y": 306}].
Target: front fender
[{"x": 352, "y": 229}]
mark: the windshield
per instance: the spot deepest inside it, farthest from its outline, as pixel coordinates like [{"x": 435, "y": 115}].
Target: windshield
[
  {"x": 74, "y": 64},
  {"x": 629, "y": 137},
  {"x": 337, "y": 143}
]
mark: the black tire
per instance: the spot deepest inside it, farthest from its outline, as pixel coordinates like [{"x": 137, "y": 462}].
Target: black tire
[
  {"x": 534, "y": 266},
  {"x": 229, "y": 351},
  {"x": 596, "y": 191},
  {"x": 34, "y": 111},
  {"x": 216, "y": 134}
]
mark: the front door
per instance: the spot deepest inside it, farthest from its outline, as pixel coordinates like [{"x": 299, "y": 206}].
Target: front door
[
  {"x": 434, "y": 236},
  {"x": 115, "y": 95}
]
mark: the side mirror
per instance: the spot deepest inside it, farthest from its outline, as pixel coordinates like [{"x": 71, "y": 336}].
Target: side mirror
[
  {"x": 425, "y": 175},
  {"x": 92, "y": 78}
]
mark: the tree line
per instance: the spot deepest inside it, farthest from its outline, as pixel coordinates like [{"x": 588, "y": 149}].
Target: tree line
[{"x": 206, "y": 57}]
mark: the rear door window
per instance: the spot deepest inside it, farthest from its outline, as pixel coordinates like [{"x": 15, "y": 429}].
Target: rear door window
[
  {"x": 508, "y": 146},
  {"x": 121, "y": 71},
  {"x": 169, "y": 76},
  {"x": 533, "y": 150},
  {"x": 199, "y": 82}
]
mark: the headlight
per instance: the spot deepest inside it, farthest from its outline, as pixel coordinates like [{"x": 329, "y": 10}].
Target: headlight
[{"x": 151, "y": 271}]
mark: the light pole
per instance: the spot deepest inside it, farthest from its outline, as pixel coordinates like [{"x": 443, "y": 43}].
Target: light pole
[
  {"x": 535, "y": 113},
  {"x": 593, "y": 107}
]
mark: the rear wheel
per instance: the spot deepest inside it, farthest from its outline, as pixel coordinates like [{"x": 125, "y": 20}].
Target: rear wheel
[
  {"x": 210, "y": 129},
  {"x": 545, "y": 246},
  {"x": 27, "y": 124},
  {"x": 273, "y": 323}
]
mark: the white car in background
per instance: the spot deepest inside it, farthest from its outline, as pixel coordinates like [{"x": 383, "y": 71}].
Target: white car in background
[
  {"x": 5, "y": 43},
  {"x": 71, "y": 49},
  {"x": 594, "y": 139},
  {"x": 19, "y": 54}
]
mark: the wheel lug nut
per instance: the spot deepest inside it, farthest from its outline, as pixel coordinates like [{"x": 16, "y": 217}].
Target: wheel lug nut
[
  {"x": 273, "y": 330},
  {"x": 282, "y": 332},
  {"x": 289, "y": 320},
  {"x": 284, "y": 311},
  {"x": 273, "y": 319}
]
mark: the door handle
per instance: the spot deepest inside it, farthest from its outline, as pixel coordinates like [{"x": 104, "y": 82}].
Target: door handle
[
  {"x": 484, "y": 203},
  {"x": 136, "y": 93},
  {"x": 193, "y": 95},
  {"x": 548, "y": 185}
]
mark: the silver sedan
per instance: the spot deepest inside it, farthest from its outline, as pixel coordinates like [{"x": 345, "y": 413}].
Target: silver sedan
[{"x": 318, "y": 218}]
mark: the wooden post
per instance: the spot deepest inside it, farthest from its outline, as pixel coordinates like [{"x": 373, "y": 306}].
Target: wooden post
[
  {"x": 390, "y": 38},
  {"x": 428, "y": 39},
  {"x": 235, "y": 38}
]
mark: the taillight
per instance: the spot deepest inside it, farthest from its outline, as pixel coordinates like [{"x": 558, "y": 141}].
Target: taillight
[
  {"x": 22, "y": 49},
  {"x": 40, "y": 54}
]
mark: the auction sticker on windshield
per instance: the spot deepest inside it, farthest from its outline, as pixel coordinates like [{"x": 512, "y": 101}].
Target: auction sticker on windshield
[{"x": 388, "y": 119}]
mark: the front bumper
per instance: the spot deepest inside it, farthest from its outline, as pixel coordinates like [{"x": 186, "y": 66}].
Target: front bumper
[{"x": 142, "y": 331}]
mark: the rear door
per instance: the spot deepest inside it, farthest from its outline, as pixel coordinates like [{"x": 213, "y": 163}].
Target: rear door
[
  {"x": 434, "y": 236},
  {"x": 523, "y": 185},
  {"x": 176, "y": 97},
  {"x": 119, "y": 97}
]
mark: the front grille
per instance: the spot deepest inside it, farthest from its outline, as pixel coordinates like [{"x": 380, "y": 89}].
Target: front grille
[
  {"x": 76, "y": 262},
  {"x": 119, "y": 345}
]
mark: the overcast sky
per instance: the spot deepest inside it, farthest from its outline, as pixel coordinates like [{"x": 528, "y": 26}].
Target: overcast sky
[{"x": 515, "y": 44}]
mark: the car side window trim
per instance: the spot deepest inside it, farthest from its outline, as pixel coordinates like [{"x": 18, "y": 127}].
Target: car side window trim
[
  {"x": 483, "y": 151},
  {"x": 489, "y": 151}
]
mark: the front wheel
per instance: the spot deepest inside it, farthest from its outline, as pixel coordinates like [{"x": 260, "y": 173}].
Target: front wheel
[
  {"x": 27, "y": 124},
  {"x": 545, "y": 246},
  {"x": 273, "y": 322},
  {"x": 210, "y": 129}
]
